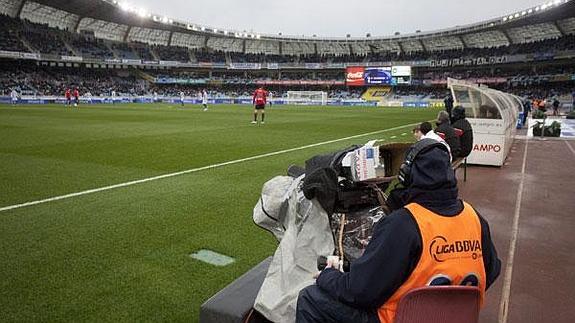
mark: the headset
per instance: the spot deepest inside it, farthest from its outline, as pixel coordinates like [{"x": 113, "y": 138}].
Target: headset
[{"x": 418, "y": 148}]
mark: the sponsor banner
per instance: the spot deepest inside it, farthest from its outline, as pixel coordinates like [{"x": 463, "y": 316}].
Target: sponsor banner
[
  {"x": 416, "y": 104},
  {"x": 543, "y": 56},
  {"x": 485, "y": 80},
  {"x": 354, "y": 76},
  {"x": 245, "y": 66},
  {"x": 487, "y": 126},
  {"x": 113, "y": 61},
  {"x": 314, "y": 66},
  {"x": 148, "y": 99},
  {"x": 379, "y": 64},
  {"x": 150, "y": 62},
  {"x": 131, "y": 61},
  {"x": 5, "y": 53},
  {"x": 561, "y": 78},
  {"x": 72, "y": 58},
  {"x": 30, "y": 55},
  {"x": 420, "y": 63},
  {"x": 171, "y": 80},
  {"x": 300, "y": 82},
  {"x": 169, "y": 63},
  {"x": 487, "y": 150},
  {"x": 565, "y": 54},
  {"x": 215, "y": 82},
  {"x": 273, "y": 66},
  {"x": 469, "y": 61}
]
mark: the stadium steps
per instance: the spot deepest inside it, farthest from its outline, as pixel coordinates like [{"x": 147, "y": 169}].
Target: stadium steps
[
  {"x": 69, "y": 47},
  {"x": 228, "y": 58},
  {"x": 109, "y": 47},
  {"x": 27, "y": 44},
  {"x": 193, "y": 58},
  {"x": 144, "y": 75},
  {"x": 154, "y": 54}
]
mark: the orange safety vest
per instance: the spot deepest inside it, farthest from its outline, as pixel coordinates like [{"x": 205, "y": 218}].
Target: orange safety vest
[{"x": 451, "y": 255}]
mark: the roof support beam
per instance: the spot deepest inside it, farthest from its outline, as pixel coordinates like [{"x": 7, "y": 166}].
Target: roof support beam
[
  {"x": 401, "y": 50},
  {"x": 170, "y": 38},
  {"x": 125, "y": 38},
  {"x": 77, "y": 24},
  {"x": 504, "y": 31},
  {"x": 462, "y": 41},
  {"x": 22, "y": 3},
  {"x": 559, "y": 28},
  {"x": 422, "y": 45}
]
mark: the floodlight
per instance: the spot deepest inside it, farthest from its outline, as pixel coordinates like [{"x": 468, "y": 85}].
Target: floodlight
[
  {"x": 124, "y": 6},
  {"x": 530, "y": 11},
  {"x": 504, "y": 18},
  {"x": 538, "y": 8},
  {"x": 510, "y": 17},
  {"x": 516, "y": 15},
  {"x": 142, "y": 13},
  {"x": 165, "y": 20},
  {"x": 523, "y": 13}
]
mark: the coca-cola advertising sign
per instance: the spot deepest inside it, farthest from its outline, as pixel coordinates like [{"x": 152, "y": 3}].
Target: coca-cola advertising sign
[{"x": 354, "y": 76}]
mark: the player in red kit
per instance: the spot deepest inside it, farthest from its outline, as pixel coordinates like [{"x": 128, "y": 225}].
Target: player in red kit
[
  {"x": 68, "y": 96},
  {"x": 76, "y": 97},
  {"x": 259, "y": 100}
]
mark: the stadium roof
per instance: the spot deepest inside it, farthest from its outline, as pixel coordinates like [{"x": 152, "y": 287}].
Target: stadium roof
[
  {"x": 117, "y": 21},
  {"x": 119, "y": 13}
]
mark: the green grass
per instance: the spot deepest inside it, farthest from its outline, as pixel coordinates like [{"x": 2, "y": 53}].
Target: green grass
[{"x": 123, "y": 254}]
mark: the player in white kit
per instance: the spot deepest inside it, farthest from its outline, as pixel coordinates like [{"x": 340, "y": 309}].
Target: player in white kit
[
  {"x": 205, "y": 99},
  {"x": 14, "y": 96}
]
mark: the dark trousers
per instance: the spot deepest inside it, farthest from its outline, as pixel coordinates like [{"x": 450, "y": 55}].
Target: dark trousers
[{"x": 315, "y": 305}]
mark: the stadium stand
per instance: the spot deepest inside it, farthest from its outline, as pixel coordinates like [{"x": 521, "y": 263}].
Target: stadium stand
[{"x": 530, "y": 54}]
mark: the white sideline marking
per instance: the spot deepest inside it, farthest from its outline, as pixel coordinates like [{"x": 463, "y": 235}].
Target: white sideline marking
[
  {"x": 504, "y": 305},
  {"x": 570, "y": 148},
  {"x": 193, "y": 170}
]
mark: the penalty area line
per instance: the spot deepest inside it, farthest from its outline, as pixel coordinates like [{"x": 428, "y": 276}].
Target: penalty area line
[{"x": 194, "y": 170}]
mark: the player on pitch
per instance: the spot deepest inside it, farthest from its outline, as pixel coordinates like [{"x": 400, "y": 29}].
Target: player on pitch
[
  {"x": 68, "y": 95},
  {"x": 259, "y": 100}
]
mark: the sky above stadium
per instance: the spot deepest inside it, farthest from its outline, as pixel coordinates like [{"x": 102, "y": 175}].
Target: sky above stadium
[{"x": 334, "y": 18}]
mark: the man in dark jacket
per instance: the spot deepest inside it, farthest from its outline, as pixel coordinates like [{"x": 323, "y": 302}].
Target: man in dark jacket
[
  {"x": 448, "y": 104},
  {"x": 444, "y": 127},
  {"x": 466, "y": 140},
  {"x": 395, "y": 251}
]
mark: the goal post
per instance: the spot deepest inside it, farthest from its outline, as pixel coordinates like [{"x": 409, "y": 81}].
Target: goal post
[{"x": 307, "y": 97}]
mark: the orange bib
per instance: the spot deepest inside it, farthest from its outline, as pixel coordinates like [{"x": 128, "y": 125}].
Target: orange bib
[{"x": 451, "y": 255}]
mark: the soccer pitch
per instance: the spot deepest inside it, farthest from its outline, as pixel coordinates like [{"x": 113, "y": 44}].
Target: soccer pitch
[{"x": 123, "y": 254}]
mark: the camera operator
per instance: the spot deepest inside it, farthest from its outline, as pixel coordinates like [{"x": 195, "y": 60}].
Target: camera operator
[{"x": 400, "y": 256}]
